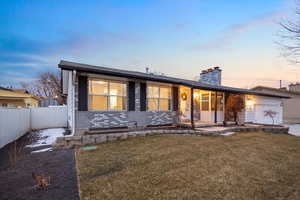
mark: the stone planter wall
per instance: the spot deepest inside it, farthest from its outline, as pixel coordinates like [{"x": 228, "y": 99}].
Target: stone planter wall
[{"x": 70, "y": 141}]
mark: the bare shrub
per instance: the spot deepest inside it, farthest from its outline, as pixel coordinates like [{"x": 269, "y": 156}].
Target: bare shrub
[{"x": 42, "y": 180}]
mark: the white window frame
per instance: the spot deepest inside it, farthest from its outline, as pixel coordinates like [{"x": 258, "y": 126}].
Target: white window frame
[
  {"x": 158, "y": 98},
  {"x": 206, "y": 101},
  {"x": 108, "y": 95}
]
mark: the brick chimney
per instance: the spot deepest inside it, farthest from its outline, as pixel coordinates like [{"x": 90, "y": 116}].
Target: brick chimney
[{"x": 211, "y": 76}]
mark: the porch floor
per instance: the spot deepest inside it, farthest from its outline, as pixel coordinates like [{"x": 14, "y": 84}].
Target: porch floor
[{"x": 204, "y": 124}]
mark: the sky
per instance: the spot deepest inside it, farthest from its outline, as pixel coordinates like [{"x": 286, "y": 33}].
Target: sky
[{"x": 175, "y": 37}]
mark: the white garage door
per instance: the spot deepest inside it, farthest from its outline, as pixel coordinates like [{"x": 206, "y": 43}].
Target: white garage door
[{"x": 265, "y": 104}]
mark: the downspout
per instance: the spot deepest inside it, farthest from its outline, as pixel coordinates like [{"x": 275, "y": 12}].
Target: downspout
[{"x": 73, "y": 101}]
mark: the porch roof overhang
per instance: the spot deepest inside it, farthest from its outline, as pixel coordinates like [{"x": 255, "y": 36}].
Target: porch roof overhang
[{"x": 79, "y": 67}]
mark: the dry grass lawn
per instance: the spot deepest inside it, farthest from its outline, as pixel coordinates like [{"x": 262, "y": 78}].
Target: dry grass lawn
[{"x": 242, "y": 166}]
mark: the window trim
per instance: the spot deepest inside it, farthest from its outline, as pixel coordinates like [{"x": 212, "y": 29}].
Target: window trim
[
  {"x": 221, "y": 101},
  {"x": 170, "y": 99},
  {"x": 208, "y": 101},
  {"x": 108, "y": 95}
]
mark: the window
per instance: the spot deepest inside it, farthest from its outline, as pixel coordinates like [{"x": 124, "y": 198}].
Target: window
[
  {"x": 212, "y": 100},
  {"x": 107, "y": 95},
  {"x": 219, "y": 101},
  {"x": 158, "y": 98},
  {"x": 249, "y": 103},
  {"x": 205, "y": 102}
]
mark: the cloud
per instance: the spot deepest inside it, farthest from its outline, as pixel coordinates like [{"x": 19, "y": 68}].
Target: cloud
[
  {"x": 22, "y": 59},
  {"x": 231, "y": 33},
  {"x": 13, "y": 77},
  {"x": 32, "y": 56}
]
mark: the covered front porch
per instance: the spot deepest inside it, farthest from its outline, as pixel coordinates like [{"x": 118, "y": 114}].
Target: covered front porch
[{"x": 201, "y": 108}]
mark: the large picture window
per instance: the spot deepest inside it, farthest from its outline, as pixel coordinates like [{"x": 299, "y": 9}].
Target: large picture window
[
  {"x": 107, "y": 95},
  {"x": 158, "y": 98}
]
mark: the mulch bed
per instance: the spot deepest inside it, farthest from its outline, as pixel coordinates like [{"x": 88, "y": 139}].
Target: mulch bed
[{"x": 16, "y": 182}]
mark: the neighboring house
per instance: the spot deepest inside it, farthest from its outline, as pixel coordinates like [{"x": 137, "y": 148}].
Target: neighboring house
[
  {"x": 17, "y": 98},
  {"x": 101, "y": 98},
  {"x": 291, "y": 106},
  {"x": 48, "y": 101}
]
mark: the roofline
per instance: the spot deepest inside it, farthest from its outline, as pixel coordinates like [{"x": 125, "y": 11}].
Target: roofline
[
  {"x": 9, "y": 97},
  {"x": 275, "y": 89},
  {"x": 3, "y": 88},
  {"x": 66, "y": 65},
  {"x": 100, "y": 71}
]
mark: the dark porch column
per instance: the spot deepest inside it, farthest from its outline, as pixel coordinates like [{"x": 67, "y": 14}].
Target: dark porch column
[
  {"x": 192, "y": 108},
  {"x": 226, "y": 95},
  {"x": 216, "y": 107}
]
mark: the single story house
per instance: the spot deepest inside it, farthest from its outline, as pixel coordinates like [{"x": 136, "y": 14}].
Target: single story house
[
  {"x": 105, "y": 98},
  {"x": 10, "y": 98},
  {"x": 291, "y": 106}
]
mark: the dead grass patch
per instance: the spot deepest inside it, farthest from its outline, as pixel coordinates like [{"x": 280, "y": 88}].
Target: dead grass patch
[{"x": 242, "y": 166}]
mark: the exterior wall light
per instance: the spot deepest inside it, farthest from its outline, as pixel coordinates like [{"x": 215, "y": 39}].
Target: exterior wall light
[
  {"x": 184, "y": 96},
  {"x": 249, "y": 102},
  {"x": 196, "y": 95}
]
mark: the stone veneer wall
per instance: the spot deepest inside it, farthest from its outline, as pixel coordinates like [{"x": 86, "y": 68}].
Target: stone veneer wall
[
  {"x": 107, "y": 119},
  {"x": 111, "y": 119},
  {"x": 160, "y": 117}
]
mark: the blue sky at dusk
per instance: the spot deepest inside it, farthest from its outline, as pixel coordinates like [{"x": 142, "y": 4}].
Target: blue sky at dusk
[{"x": 175, "y": 37}]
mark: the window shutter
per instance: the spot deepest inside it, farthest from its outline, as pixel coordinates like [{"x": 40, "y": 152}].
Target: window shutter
[
  {"x": 143, "y": 97},
  {"x": 82, "y": 93},
  {"x": 131, "y": 96},
  {"x": 175, "y": 98}
]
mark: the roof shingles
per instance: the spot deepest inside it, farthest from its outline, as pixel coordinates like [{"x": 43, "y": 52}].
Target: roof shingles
[{"x": 159, "y": 78}]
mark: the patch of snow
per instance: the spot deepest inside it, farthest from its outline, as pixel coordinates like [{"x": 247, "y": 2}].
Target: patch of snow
[
  {"x": 47, "y": 137},
  {"x": 294, "y": 129},
  {"x": 42, "y": 150},
  {"x": 227, "y": 133}
]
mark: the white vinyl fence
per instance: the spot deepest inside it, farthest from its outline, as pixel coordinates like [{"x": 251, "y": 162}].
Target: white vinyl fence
[
  {"x": 48, "y": 117},
  {"x": 15, "y": 122}
]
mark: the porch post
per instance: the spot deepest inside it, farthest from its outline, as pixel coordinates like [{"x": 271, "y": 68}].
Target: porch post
[
  {"x": 216, "y": 109},
  {"x": 192, "y": 108},
  {"x": 225, "y": 96}
]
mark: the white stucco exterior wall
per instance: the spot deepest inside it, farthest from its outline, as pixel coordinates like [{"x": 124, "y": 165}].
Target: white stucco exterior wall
[{"x": 256, "y": 112}]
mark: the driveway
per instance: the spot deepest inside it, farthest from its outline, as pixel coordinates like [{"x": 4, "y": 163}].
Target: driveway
[{"x": 294, "y": 129}]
